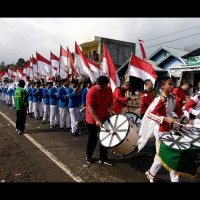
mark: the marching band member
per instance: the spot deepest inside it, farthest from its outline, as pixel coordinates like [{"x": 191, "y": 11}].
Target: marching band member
[
  {"x": 160, "y": 112},
  {"x": 63, "y": 106},
  {"x": 193, "y": 106},
  {"x": 119, "y": 99},
  {"x": 30, "y": 99},
  {"x": 73, "y": 93},
  {"x": 46, "y": 114},
  {"x": 146, "y": 97},
  {"x": 54, "y": 111}
]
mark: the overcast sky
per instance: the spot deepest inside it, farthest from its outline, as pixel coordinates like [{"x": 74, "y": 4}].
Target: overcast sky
[{"x": 22, "y": 37}]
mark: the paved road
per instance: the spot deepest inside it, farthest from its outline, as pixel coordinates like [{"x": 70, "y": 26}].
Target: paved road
[{"x": 62, "y": 156}]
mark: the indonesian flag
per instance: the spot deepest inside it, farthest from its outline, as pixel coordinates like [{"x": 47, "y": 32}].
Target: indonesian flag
[
  {"x": 82, "y": 64},
  {"x": 20, "y": 73},
  {"x": 64, "y": 70},
  {"x": 9, "y": 72},
  {"x": 55, "y": 64},
  {"x": 44, "y": 65},
  {"x": 109, "y": 69},
  {"x": 71, "y": 65},
  {"x": 97, "y": 71},
  {"x": 142, "y": 49},
  {"x": 4, "y": 75},
  {"x": 141, "y": 69},
  {"x": 31, "y": 72},
  {"x": 14, "y": 74}
]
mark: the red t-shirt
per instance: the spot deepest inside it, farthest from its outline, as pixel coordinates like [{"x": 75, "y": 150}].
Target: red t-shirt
[
  {"x": 100, "y": 101},
  {"x": 119, "y": 100},
  {"x": 145, "y": 101},
  {"x": 180, "y": 97}
]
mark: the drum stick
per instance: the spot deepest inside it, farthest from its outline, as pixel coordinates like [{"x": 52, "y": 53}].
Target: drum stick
[
  {"x": 181, "y": 124},
  {"x": 106, "y": 128}
]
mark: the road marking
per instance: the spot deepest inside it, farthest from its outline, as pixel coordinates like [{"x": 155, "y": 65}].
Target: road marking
[{"x": 47, "y": 153}]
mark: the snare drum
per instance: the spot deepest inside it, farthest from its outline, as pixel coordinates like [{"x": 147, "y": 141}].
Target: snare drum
[{"x": 119, "y": 134}]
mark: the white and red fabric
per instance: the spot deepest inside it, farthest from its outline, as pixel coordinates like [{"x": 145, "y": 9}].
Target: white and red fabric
[
  {"x": 142, "y": 49},
  {"x": 44, "y": 65},
  {"x": 35, "y": 68},
  {"x": 64, "y": 70},
  {"x": 141, "y": 69},
  {"x": 20, "y": 73},
  {"x": 14, "y": 73},
  {"x": 82, "y": 64},
  {"x": 55, "y": 61},
  {"x": 109, "y": 69}
]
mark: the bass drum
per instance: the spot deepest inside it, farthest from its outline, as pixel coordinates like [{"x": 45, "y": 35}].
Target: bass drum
[
  {"x": 119, "y": 134},
  {"x": 133, "y": 117}
]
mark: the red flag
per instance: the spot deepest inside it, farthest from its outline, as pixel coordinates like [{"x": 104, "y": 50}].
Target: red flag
[
  {"x": 141, "y": 69},
  {"x": 142, "y": 49},
  {"x": 109, "y": 69}
]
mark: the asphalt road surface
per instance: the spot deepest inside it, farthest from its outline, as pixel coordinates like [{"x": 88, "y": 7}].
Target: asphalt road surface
[{"x": 48, "y": 155}]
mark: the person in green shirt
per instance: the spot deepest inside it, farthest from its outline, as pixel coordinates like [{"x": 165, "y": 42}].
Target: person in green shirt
[{"x": 21, "y": 102}]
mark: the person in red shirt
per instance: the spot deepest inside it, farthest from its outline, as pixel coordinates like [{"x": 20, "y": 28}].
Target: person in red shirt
[
  {"x": 99, "y": 105},
  {"x": 146, "y": 97},
  {"x": 119, "y": 99},
  {"x": 180, "y": 94}
]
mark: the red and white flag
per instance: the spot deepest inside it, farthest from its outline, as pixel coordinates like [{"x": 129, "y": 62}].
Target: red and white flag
[
  {"x": 141, "y": 69},
  {"x": 109, "y": 69},
  {"x": 44, "y": 65},
  {"x": 55, "y": 61},
  {"x": 142, "y": 49},
  {"x": 20, "y": 73},
  {"x": 82, "y": 64},
  {"x": 64, "y": 70},
  {"x": 71, "y": 65},
  {"x": 14, "y": 73},
  {"x": 9, "y": 72}
]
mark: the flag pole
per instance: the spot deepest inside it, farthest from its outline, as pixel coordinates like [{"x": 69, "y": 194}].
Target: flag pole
[
  {"x": 51, "y": 67},
  {"x": 59, "y": 62}
]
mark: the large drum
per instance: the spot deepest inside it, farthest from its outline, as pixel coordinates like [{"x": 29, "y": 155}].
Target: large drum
[
  {"x": 119, "y": 134},
  {"x": 136, "y": 119},
  {"x": 180, "y": 153}
]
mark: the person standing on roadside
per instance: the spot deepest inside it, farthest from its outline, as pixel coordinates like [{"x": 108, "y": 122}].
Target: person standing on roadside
[
  {"x": 99, "y": 105},
  {"x": 21, "y": 103}
]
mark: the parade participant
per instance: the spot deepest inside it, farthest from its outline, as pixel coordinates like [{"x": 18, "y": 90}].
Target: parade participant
[
  {"x": 63, "y": 101},
  {"x": 146, "y": 97},
  {"x": 30, "y": 99},
  {"x": 84, "y": 93},
  {"x": 37, "y": 100},
  {"x": 53, "y": 101},
  {"x": 119, "y": 99},
  {"x": 193, "y": 106},
  {"x": 73, "y": 93},
  {"x": 21, "y": 102},
  {"x": 180, "y": 94},
  {"x": 12, "y": 94},
  {"x": 46, "y": 114},
  {"x": 81, "y": 113},
  {"x": 99, "y": 102},
  {"x": 161, "y": 112}
]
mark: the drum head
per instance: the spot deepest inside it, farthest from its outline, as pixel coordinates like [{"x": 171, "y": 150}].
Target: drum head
[
  {"x": 175, "y": 141},
  {"x": 193, "y": 139},
  {"x": 195, "y": 130},
  {"x": 136, "y": 119},
  {"x": 118, "y": 126}
]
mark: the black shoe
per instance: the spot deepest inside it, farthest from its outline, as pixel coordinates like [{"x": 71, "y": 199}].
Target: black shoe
[
  {"x": 43, "y": 122},
  {"x": 68, "y": 129},
  {"x": 90, "y": 160},
  {"x": 106, "y": 162},
  {"x": 75, "y": 134},
  {"x": 62, "y": 129}
]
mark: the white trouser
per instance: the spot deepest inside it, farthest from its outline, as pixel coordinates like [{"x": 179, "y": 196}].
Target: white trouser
[
  {"x": 30, "y": 106},
  {"x": 40, "y": 109},
  {"x": 46, "y": 115},
  {"x": 36, "y": 109},
  {"x": 74, "y": 114},
  {"x": 82, "y": 114},
  {"x": 13, "y": 101},
  {"x": 64, "y": 117},
  {"x": 156, "y": 166},
  {"x": 54, "y": 115},
  {"x": 9, "y": 100}
]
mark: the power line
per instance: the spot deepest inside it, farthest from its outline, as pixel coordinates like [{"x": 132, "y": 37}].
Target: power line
[
  {"x": 171, "y": 33},
  {"x": 170, "y": 41}
]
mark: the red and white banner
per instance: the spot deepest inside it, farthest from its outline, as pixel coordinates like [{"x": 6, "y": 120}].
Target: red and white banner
[
  {"x": 82, "y": 64},
  {"x": 142, "y": 49},
  {"x": 64, "y": 69},
  {"x": 109, "y": 69},
  {"x": 44, "y": 65},
  {"x": 20, "y": 73},
  {"x": 141, "y": 69}
]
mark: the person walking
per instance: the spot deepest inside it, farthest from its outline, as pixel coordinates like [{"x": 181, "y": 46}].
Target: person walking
[
  {"x": 21, "y": 103},
  {"x": 99, "y": 105}
]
